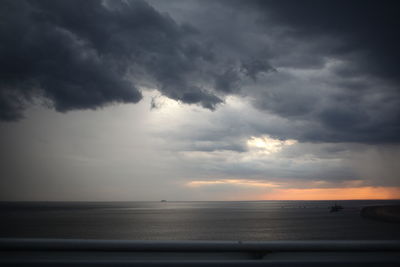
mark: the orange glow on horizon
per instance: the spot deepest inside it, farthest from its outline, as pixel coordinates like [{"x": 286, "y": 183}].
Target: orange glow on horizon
[{"x": 348, "y": 193}]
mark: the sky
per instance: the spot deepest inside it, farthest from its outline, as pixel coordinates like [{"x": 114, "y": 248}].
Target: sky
[{"x": 199, "y": 100}]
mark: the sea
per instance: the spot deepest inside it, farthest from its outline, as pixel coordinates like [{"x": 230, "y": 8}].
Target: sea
[{"x": 241, "y": 220}]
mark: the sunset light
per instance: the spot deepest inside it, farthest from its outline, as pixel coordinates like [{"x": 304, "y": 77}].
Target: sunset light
[{"x": 333, "y": 193}]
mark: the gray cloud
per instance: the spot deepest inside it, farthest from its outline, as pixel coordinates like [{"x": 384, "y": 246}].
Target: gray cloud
[
  {"x": 329, "y": 69},
  {"x": 337, "y": 68},
  {"x": 377, "y": 164},
  {"x": 88, "y": 54},
  {"x": 365, "y": 27},
  {"x": 324, "y": 74},
  {"x": 43, "y": 58},
  {"x": 254, "y": 67}
]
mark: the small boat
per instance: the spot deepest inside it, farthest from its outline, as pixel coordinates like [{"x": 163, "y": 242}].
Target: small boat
[
  {"x": 336, "y": 208},
  {"x": 163, "y": 200}
]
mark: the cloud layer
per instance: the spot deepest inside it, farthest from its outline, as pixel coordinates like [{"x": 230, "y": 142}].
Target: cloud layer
[
  {"x": 83, "y": 55},
  {"x": 225, "y": 94},
  {"x": 329, "y": 67}
]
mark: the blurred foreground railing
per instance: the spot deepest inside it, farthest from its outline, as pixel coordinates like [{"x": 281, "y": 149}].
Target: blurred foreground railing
[{"x": 75, "y": 252}]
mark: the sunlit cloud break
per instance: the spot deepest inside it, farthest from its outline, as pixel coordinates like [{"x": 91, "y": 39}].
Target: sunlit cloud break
[{"x": 268, "y": 145}]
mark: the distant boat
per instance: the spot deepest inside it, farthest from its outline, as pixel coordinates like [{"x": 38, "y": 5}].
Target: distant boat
[
  {"x": 163, "y": 200},
  {"x": 336, "y": 208}
]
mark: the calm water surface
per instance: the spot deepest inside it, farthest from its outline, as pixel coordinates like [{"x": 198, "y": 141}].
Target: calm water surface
[{"x": 266, "y": 220}]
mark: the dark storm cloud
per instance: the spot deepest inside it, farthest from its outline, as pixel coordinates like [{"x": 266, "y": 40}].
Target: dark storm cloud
[
  {"x": 85, "y": 54},
  {"x": 228, "y": 81},
  {"x": 41, "y": 55},
  {"x": 328, "y": 68},
  {"x": 254, "y": 67},
  {"x": 353, "y": 45},
  {"x": 315, "y": 115},
  {"x": 369, "y": 27}
]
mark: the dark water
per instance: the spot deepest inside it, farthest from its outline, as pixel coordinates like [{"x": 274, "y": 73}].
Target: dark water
[{"x": 266, "y": 220}]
